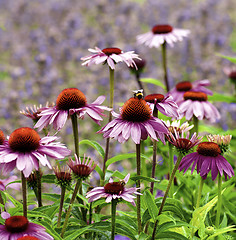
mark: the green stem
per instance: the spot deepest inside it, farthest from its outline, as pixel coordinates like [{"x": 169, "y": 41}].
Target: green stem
[
  {"x": 171, "y": 161},
  {"x": 77, "y": 186},
  {"x": 2, "y": 202},
  {"x": 24, "y": 194},
  {"x": 143, "y": 163},
  {"x": 39, "y": 188},
  {"x": 195, "y": 122},
  {"x": 140, "y": 85},
  {"x": 154, "y": 161},
  {"x": 63, "y": 191},
  {"x": 113, "y": 218},
  {"x": 219, "y": 203},
  {"x": 164, "y": 62},
  {"x": 111, "y": 71},
  {"x": 199, "y": 193},
  {"x": 138, "y": 160},
  {"x": 75, "y": 133},
  {"x": 166, "y": 193}
]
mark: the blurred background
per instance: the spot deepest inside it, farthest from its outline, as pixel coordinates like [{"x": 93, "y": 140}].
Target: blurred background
[{"x": 42, "y": 41}]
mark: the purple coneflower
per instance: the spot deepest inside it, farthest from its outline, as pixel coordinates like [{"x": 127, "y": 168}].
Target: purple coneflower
[
  {"x": 70, "y": 101},
  {"x": 19, "y": 226},
  {"x": 222, "y": 141},
  {"x": 196, "y": 104},
  {"x": 114, "y": 190},
  {"x": 111, "y": 56},
  {"x": 207, "y": 158},
  {"x": 165, "y": 105},
  {"x": 231, "y": 73},
  {"x": 160, "y": 34},
  {"x": 136, "y": 121},
  {"x": 198, "y": 86},
  {"x": 25, "y": 149},
  {"x": 81, "y": 168},
  {"x": 175, "y": 126},
  {"x": 6, "y": 183}
]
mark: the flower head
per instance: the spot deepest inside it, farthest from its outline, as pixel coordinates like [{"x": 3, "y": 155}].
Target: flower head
[
  {"x": 136, "y": 121},
  {"x": 165, "y": 105},
  {"x": 111, "y": 56},
  {"x": 81, "y": 168},
  {"x": 16, "y": 227},
  {"x": 113, "y": 190},
  {"x": 231, "y": 73},
  {"x": 139, "y": 66},
  {"x": 25, "y": 149},
  {"x": 32, "y": 180},
  {"x": 161, "y": 34},
  {"x": 176, "y": 127},
  {"x": 207, "y": 158},
  {"x": 2, "y": 137},
  {"x": 6, "y": 183},
  {"x": 33, "y": 112},
  {"x": 198, "y": 86},
  {"x": 69, "y": 102},
  {"x": 183, "y": 143},
  {"x": 28, "y": 238},
  {"x": 196, "y": 104},
  {"x": 222, "y": 141},
  {"x": 63, "y": 176}
]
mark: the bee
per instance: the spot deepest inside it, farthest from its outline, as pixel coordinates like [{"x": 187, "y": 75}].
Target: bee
[
  {"x": 122, "y": 182},
  {"x": 138, "y": 94}
]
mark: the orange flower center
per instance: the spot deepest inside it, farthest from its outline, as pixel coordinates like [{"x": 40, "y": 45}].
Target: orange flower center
[
  {"x": 195, "y": 96},
  {"x": 184, "y": 86},
  {"x": 136, "y": 110},
  {"x": 81, "y": 170},
  {"x": 114, "y": 188},
  {"x": 16, "y": 224},
  {"x": 24, "y": 139},
  {"x": 28, "y": 238},
  {"x": 208, "y": 149},
  {"x": 109, "y": 51},
  {"x": 184, "y": 143},
  {"x": 70, "y": 98},
  {"x": 2, "y": 137},
  {"x": 162, "y": 29},
  {"x": 152, "y": 98}
]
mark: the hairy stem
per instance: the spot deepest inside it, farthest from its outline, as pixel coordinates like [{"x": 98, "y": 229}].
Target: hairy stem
[
  {"x": 75, "y": 133},
  {"x": 63, "y": 191},
  {"x": 164, "y": 62},
  {"x": 219, "y": 203},
  {"x": 24, "y": 194}
]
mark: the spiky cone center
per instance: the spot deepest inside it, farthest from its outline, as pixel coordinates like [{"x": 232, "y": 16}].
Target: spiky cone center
[
  {"x": 232, "y": 75},
  {"x": 154, "y": 98},
  {"x": 28, "y": 238},
  {"x": 81, "y": 170},
  {"x": 110, "y": 51},
  {"x": 114, "y": 188},
  {"x": 70, "y": 98},
  {"x": 16, "y": 224},
  {"x": 136, "y": 110},
  {"x": 162, "y": 29},
  {"x": 24, "y": 139},
  {"x": 63, "y": 177},
  {"x": 140, "y": 63},
  {"x": 2, "y": 137},
  {"x": 209, "y": 149},
  {"x": 195, "y": 96},
  {"x": 184, "y": 86},
  {"x": 32, "y": 180}
]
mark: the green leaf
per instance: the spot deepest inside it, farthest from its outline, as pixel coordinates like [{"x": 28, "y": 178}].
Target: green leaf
[
  {"x": 149, "y": 179},
  {"x": 150, "y": 204},
  {"x": 170, "y": 236},
  {"x": 50, "y": 178},
  {"x": 217, "y": 97},
  {"x": 221, "y": 231},
  {"x": 99, "y": 171},
  {"x": 231, "y": 59},
  {"x": 122, "y": 157},
  {"x": 153, "y": 81},
  {"x": 77, "y": 233},
  {"x": 95, "y": 145}
]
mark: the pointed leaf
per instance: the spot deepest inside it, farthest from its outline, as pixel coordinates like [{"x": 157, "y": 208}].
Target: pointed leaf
[
  {"x": 95, "y": 145},
  {"x": 150, "y": 204},
  {"x": 153, "y": 81}
]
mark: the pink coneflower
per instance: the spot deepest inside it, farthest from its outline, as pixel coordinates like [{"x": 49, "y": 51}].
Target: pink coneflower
[
  {"x": 198, "y": 86},
  {"x": 114, "y": 190},
  {"x": 70, "y": 101},
  {"x": 231, "y": 73},
  {"x": 196, "y": 104},
  {"x": 63, "y": 176},
  {"x": 207, "y": 158},
  {"x": 222, "y": 141},
  {"x": 183, "y": 142},
  {"x": 175, "y": 126},
  {"x": 111, "y": 56},
  {"x": 6, "y": 183},
  {"x": 161, "y": 34},
  {"x": 136, "y": 121},
  {"x": 165, "y": 105},
  {"x": 81, "y": 168},
  {"x": 19, "y": 226},
  {"x": 33, "y": 112},
  {"x": 25, "y": 149}
]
